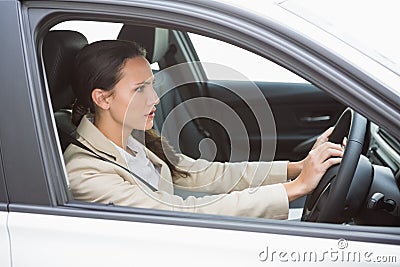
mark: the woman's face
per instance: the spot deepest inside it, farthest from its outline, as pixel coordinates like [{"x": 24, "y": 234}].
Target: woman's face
[{"x": 132, "y": 103}]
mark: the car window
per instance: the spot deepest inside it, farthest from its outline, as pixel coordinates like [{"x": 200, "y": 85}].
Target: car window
[{"x": 249, "y": 65}]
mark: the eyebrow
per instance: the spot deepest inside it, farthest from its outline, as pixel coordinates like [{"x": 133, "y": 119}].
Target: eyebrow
[{"x": 148, "y": 81}]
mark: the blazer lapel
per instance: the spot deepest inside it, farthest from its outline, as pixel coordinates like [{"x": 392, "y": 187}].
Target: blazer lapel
[{"x": 98, "y": 141}]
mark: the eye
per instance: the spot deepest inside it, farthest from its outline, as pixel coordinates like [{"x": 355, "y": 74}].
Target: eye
[{"x": 140, "y": 88}]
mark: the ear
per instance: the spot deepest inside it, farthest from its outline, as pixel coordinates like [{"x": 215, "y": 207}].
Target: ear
[{"x": 101, "y": 98}]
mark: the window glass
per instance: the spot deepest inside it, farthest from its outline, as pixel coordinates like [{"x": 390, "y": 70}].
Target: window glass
[
  {"x": 93, "y": 30},
  {"x": 252, "y": 66}
]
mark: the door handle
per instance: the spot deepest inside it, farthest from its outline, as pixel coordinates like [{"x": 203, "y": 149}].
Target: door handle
[{"x": 316, "y": 118}]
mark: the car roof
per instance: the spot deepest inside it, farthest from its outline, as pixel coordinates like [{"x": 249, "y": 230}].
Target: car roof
[{"x": 369, "y": 47}]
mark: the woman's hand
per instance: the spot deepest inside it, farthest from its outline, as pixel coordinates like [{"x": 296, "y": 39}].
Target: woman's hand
[
  {"x": 324, "y": 137},
  {"x": 318, "y": 161},
  {"x": 295, "y": 168}
]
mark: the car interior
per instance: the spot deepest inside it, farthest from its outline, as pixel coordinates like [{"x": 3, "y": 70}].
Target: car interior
[{"x": 301, "y": 112}]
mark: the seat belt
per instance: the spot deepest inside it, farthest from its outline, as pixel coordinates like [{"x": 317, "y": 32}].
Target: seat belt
[{"x": 74, "y": 141}]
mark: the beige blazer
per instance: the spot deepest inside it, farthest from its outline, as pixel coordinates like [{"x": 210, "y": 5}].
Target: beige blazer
[{"x": 251, "y": 189}]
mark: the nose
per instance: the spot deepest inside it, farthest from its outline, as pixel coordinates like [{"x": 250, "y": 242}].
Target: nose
[{"x": 153, "y": 98}]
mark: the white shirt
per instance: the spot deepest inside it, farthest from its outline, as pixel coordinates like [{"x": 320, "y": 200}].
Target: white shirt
[{"x": 140, "y": 164}]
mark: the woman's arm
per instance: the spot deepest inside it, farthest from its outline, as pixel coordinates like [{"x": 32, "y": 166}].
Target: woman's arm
[
  {"x": 93, "y": 180},
  {"x": 217, "y": 177},
  {"x": 294, "y": 169}
]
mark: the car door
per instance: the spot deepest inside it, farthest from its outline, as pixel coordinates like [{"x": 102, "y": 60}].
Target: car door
[{"x": 48, "y": 228}]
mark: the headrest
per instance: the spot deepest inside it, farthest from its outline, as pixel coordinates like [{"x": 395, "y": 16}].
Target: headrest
[
  {"x": 59, "y": 51},
  {"x": 155, "y": 40}
]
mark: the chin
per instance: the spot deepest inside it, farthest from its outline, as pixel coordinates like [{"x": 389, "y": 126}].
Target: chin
[{"x": 149, "y": 127}]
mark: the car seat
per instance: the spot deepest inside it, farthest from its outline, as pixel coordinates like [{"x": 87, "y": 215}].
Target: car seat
[{"x": 59, "y": 50}]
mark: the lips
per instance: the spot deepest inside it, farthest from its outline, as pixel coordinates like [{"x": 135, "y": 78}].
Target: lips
[{"x": 151, "y": 114}]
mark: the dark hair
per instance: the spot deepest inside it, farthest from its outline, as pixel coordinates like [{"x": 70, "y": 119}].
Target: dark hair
[{"x": 99, "y": 65}]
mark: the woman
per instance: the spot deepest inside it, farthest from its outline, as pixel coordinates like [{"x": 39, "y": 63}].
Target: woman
[{"x": 115, "y": 97}]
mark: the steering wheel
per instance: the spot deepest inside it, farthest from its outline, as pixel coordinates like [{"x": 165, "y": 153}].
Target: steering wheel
[{"x": 327, "y": 203}]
